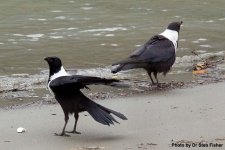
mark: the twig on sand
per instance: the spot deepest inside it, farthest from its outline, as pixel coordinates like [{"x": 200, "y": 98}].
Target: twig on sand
[
  {"x": 205, "y": 63},
  {"x": 193, "y": 52}
]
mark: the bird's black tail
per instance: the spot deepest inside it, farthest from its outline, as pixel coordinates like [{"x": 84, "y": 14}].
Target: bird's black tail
[
  {"x": 117, "y": 69},
  {"x": 100, "y": 113},
  {"x": 125, "y": 67}
]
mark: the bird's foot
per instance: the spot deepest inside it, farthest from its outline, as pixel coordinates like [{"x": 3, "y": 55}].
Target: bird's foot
[
  {"x": 154, "y": 84},
  {"x": 74, "y": 132},
  {"x": 62, "y": 134},
  {"x": 161, "y": 85}
]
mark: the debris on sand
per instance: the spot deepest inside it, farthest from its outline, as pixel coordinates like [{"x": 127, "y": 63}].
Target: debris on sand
[
  {"x": 146, "y": 146},
  {"x": 21, "y": 130},
  {"x": 201, "y": 67}
]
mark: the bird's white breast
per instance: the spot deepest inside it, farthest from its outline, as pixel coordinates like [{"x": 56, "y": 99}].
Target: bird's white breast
[{"x": 171, "y": 35}]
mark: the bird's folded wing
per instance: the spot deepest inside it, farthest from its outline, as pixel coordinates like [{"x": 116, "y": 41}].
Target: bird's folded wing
[{"x": 157, "y": 49}]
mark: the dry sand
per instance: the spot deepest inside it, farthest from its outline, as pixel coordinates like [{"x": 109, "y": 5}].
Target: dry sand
[{"x": 156, "y": 121}]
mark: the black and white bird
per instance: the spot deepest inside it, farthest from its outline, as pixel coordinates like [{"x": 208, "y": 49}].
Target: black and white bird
[
  {"x": 157, "y": 55},
  {"x": 66, "y": 89}
]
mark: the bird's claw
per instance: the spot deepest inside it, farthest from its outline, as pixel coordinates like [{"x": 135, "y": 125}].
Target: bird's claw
[
  {"x": 62, "y": 134},
  {"x": 74, "y": 132}
]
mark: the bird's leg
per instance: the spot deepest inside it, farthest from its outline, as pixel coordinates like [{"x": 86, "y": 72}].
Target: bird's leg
[
  {"x": 155, "y": 75},
  {"x": 76, "y": 116},
  {"x": 150, "y": 75},
  {"x": 63, "y": 131}
]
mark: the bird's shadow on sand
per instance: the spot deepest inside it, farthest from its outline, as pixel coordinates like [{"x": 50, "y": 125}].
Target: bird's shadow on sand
[{"x": 92, "y": 137}]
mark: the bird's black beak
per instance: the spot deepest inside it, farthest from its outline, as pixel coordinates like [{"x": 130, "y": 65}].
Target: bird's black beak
[
  {"x": 47, "y": 59},
  {"x": 181, "y": 23}
]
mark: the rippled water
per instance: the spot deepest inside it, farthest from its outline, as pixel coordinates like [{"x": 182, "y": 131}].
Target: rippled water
[{"x": 92, "y": 34}]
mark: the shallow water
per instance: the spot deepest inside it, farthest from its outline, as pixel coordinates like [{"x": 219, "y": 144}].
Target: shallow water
[{"x": 91, "y": 35}]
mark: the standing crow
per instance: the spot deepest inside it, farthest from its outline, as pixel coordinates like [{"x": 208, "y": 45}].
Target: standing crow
[
  {"x": 157, "y": 55},
  {"x": 66, "y": 89}
]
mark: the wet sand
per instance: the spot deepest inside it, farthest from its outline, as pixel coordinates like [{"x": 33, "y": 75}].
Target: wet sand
[{"x": 156, "y": 121}]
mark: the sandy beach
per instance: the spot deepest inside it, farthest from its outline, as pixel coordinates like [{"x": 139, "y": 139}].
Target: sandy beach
[{"x": 164, "y": 120}]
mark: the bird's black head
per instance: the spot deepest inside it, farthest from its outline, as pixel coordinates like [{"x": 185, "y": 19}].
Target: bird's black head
[
  {"x": 54, "y": 63},
  {"x": 175, "y": 26}
]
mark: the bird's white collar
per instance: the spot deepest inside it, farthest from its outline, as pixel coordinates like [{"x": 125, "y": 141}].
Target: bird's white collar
[
  {"x": 62, "y": 72},
  {"x": 171, "y": 35}
]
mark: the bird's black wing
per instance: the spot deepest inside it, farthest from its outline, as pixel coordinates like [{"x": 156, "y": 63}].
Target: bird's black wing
[
  {"x": 157, "y": 49},
  {"x": 78, "y": 82}
]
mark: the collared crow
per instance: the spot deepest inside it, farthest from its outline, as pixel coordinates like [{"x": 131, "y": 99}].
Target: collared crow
[
  {"x": 157, "y": 55},
  {"x": 66, "y": 89}
]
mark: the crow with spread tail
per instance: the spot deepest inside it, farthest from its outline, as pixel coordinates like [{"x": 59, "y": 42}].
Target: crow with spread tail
[
  {"x": 157, "y": 55},
  {"x": 66, "y": 89}
]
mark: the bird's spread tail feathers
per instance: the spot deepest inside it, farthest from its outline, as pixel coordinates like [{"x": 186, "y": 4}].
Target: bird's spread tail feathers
[
  {"x": 118, "y": 114},
  {"x": 102, "y": 114}
]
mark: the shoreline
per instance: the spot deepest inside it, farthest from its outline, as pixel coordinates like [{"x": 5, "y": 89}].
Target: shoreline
[
  {"x": 141, "y": 88},
  {"x": 25, "y": 89},
  {"x": 190, "y": 115},
  {"x": 137, "y": 88}
]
